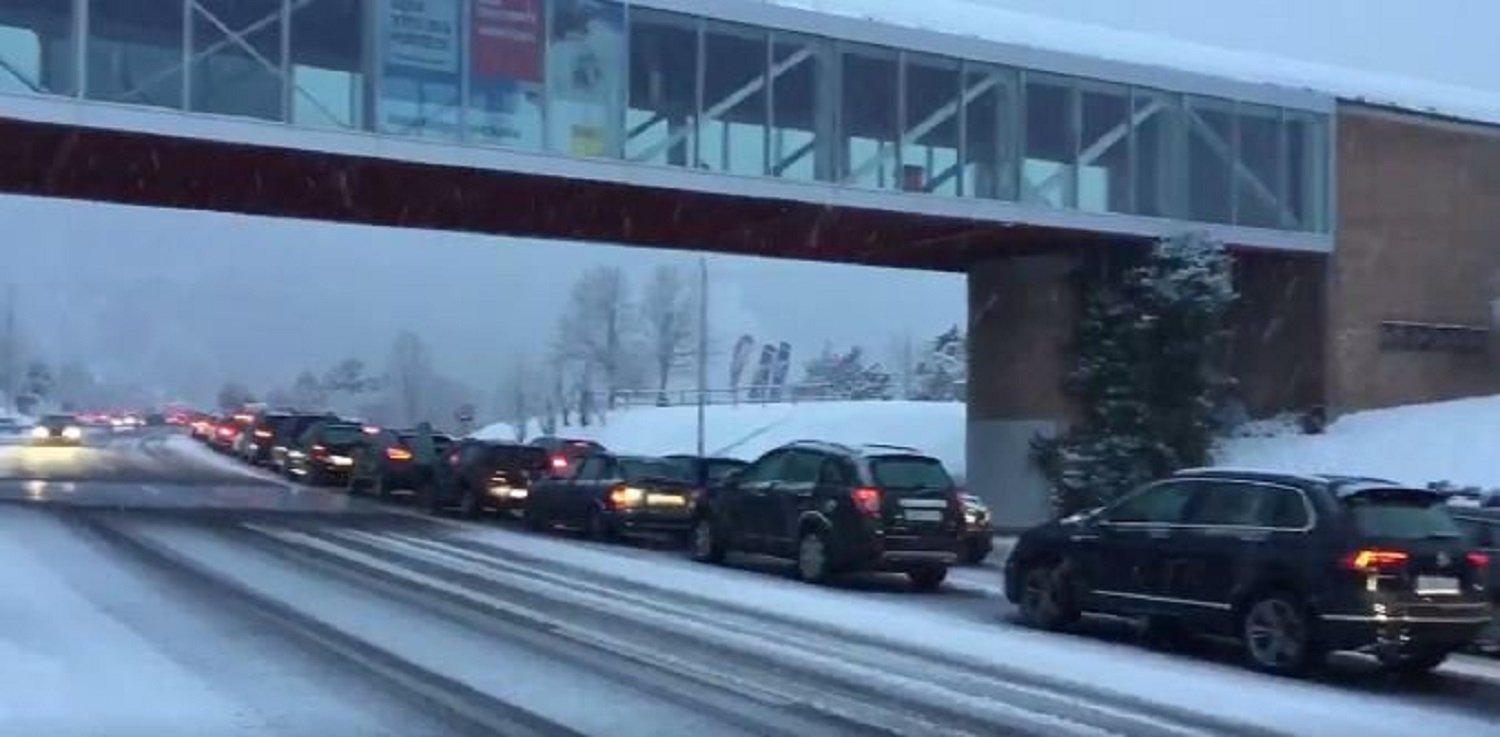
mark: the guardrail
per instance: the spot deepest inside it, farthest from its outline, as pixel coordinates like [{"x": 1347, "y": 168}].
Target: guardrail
[{"x": 791, "y": 394}]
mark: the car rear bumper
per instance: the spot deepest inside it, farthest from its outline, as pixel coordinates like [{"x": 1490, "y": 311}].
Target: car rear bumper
[
  {"x": 647, "y": 521},
  {"x": 905, "y": 560},
  {"x": 1448, "y": 628}
]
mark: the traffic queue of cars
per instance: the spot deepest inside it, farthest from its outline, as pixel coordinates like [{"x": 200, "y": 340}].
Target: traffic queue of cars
[{"x": 1292, "y": 567}]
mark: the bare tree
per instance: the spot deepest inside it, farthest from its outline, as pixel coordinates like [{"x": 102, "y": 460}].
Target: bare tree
[
  {"x": 514, "y": 399},
  {"x": 667, "y": 311},
  {"x": 234, "y": 395},
  {"x": 596, "y": 329},
  {"x": 409, "y": 375},
  {"x": 308, "y": 393}
]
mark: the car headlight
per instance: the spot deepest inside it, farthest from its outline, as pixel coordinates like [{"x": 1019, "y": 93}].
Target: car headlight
[
  {"x": 40, "y": 432},
  {"x": 72, "y": 432}
]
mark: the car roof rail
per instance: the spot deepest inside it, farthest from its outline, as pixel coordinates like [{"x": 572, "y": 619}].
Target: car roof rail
[{"x": 891, "y": 446}]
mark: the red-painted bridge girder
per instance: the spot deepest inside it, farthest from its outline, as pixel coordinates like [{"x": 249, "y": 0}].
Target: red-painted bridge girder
[{"x": 65, "y": 161}]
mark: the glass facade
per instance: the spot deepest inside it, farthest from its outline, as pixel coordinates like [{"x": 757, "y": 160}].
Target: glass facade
[{"x": 607, "y": 78}]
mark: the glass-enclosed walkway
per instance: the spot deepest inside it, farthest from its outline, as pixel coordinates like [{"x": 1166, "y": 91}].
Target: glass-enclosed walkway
[{"x": 594, "y": 78}]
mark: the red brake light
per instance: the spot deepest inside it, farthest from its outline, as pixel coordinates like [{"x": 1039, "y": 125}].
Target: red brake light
[
  {"x": 398, "y": 454},
  {"x": 559, "y": 463},
  {"x": 319, "y": 450},
  {"x": 226, "y": 431},
  {"x": 262, "y": 433},
  {"x": 1478, "y": 560},
  {"x": 1372, "y": 560},
  {"x": 867, "y": 501}
]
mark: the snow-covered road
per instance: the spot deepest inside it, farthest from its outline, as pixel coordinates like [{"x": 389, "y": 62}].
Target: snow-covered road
[{"x": 259, "y": 612}]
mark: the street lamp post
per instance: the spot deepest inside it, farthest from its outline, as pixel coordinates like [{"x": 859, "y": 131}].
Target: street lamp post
[{"x": 702, "y": 351}]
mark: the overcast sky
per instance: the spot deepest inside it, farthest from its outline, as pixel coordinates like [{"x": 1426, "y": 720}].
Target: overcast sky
[{"x": 184, "y": 300}]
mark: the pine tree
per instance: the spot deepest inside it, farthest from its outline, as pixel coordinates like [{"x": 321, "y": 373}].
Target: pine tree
[
  {"x": 1146, "y": 378},
  {"x": 943, "y": 371}
]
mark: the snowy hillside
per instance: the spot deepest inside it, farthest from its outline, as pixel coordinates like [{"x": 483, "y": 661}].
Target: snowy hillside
[
  {"x": 1456, "y": 441},
  {"x": 746, "y": 431}
]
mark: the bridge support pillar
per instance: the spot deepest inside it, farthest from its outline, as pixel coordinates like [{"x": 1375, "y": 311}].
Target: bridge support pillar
[{"x": 1022, "y": 312}]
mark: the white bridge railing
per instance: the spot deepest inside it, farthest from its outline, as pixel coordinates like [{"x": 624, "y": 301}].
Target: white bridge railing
[{"x": 790, "y": 394}]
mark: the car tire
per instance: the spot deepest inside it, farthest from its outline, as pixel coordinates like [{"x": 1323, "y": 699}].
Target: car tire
[
  {"x": 974, "y": 552},
  {"x": 705, "y": 543},
  {"x": 470, "y": 506},
  {"x": 597, "y": 528},
  {"x": 1276, "y": 634},
  {"x": 813, "y": 564},
  {"x": 429, "y": 498},
  {"x": 532, "y": 518},
  {"x": 1047, "y": 600},
  {"x": 380, "y": 489},
  {"x": 1414, "y": 664},
  {"x": 928, "y": 579}
]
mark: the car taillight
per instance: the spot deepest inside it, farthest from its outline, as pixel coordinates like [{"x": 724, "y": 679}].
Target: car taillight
[
  {"x": 625, "y": 496},
  {"x": 262, "y": 434},
  {"x": 867, "y": 501},
  {"x": 453, "y": 458},
  {"x": 318, "y": 451},
  {"x": 1374, "y": 560},
  {"x": 226, "y": 432},
  {"x": 559, "y": 463},
  {"x": 1478, "y": 560},
  {"x": 398, "y": 454}
]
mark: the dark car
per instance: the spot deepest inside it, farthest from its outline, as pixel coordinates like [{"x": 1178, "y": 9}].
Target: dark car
[
  {"x": 833, "y": 509},
  {"x": 478, "y": 475},
  {"x": 284, "y": 436},
  {"x": 611, "y": 495},
  {"x": 58, "y": 430},
  {"x": 323, "y": 454},
  {"x": 1482, "y": 527},
  {"x": 564, "y": 453},
  {"x": 979, "y": 531},
  {"x": 1293, "y": 566},
  {"x": 386, "y": 462},
  {"x": 253, "y": 446}
]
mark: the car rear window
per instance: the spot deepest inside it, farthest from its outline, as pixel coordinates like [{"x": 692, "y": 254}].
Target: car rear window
[
  {"x": 910, "y": 472},
  {"x": 652, "y": 468},
  {"x": 720, "y": 470},
  {"x": 342, "y": 433},
  {"x": 522, "y": 457},
  {"x": 1401, "y": 514}
]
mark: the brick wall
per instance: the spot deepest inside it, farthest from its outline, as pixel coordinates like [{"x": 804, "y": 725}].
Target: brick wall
[{"x": 1418, "y": 241}]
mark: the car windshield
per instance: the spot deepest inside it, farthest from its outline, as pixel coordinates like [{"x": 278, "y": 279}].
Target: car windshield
[
  {"x": 652, "y": 468},
  {"x": 1402, "y": 515},
  {"x": 910, "y": 472}
]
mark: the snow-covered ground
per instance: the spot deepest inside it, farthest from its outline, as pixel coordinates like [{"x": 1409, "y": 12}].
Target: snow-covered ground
[
  {"x": 1456, "y": 441},
  {"x": 747, "y": 430}
]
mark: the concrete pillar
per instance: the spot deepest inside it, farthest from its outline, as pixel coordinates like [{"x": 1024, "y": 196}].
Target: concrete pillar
[{"x": 1021, "y": 321}]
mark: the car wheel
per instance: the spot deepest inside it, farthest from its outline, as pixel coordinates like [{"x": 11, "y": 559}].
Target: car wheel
[
  {"x": 532, "y": 518},
  {"x": 470, "y": 506},
  {"x": 380, "y": 489},
  {"x": 705, "y": 542},
  {"x": 1277, "y": 636},
  {"x": 597, "y": 528},
  {"x": 812, "y": 557},
  {"x": 430, "y": 499},
  {"x": 975, "y": 552},
  {"x": 928, "y": 579},
  {"x": 1047, "y": 598},
  {"x": 1414, "y": 664}
]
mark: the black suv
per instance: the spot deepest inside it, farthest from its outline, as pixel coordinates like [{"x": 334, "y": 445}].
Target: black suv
[
  {"x": 387, "y": 461},
  {"x": 477, "y": 475},
  {"x": 1293, "y": 566},
  {"x": 614, "y": 495},
  {"x": 833, "y": 508},
  {"x": 1482, "y": 527}
]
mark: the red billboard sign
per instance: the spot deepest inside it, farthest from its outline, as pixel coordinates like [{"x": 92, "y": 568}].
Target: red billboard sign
[{"x": 507, "y": 40}]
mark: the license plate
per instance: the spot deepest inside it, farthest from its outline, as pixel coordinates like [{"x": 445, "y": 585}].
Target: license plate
[
  {"x": 664, "y": 500},
  {"x": 1437, "y": 585},
  {"x": 924, "y": 515}
]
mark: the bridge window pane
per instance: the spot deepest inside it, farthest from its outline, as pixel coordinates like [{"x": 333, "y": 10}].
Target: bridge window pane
[
  {"x": 1159, "y": 139},
  {"x": 800, "y": 109},
  {"x": 419, "y": 67},
  {"x": 328, "y": 70},
  {"x": 135, "y": 52},
  {"x": 36, "y": 47},
  {"x": 505, "y": 72},
  {"x": 1259, "y": 180},
  {"x": 1210, "y": 153},
  {"x": 586, "y": 77},
  {"x": 868, "y": 125},
  {"x": 661, "y": 123},
  {"x": 929, "y": 138},
  {"x": 236, "y": 58},
  {"x": 1104, "y": 148},
  {"x": 1051, "y": 141},
  {"x": 990, "y": 132},
  {"x": 1308, "y": 160},
  {"x": 734, "y": 100}
]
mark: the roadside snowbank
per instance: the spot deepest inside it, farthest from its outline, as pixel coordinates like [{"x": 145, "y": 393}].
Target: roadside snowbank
[
  {"x": 747, "y": 430},
  {"x": 1453, "y": 441}
]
